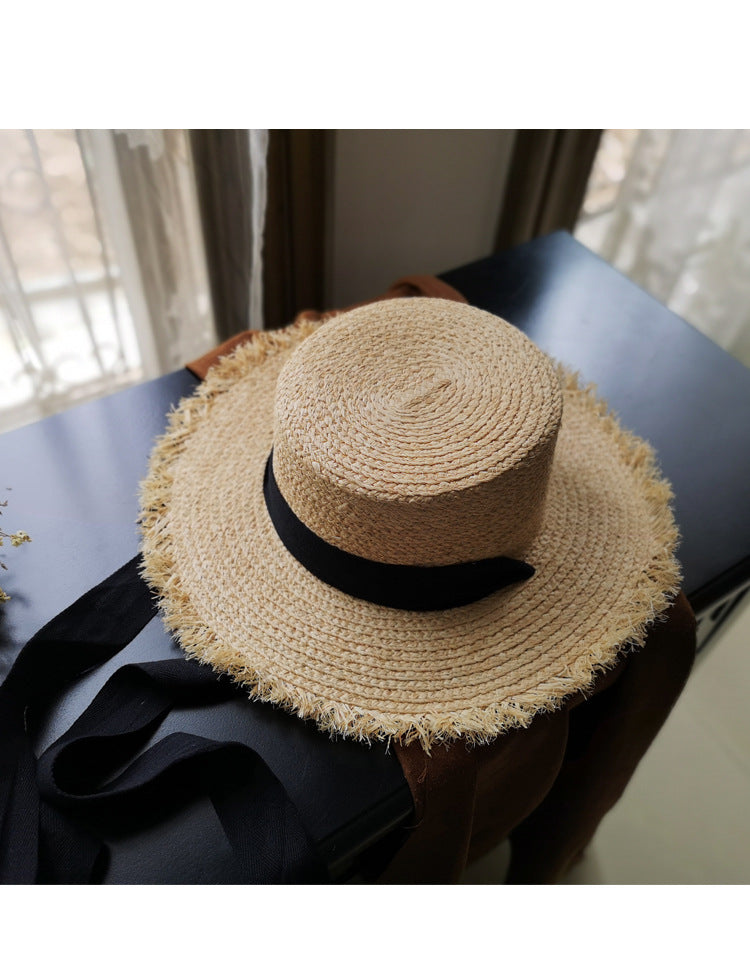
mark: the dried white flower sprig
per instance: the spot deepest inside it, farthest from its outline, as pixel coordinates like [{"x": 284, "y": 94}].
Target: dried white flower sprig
[{"x": 16, "y": 539}]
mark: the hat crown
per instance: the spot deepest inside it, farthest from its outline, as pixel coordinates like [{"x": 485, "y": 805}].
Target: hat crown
[{"x": 418, "y": 432}]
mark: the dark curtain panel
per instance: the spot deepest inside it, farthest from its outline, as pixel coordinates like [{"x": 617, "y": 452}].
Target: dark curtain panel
[
  {"x": 221, "y": 160},
  {"x": 295, "y": 241},
  {"x": 546, "y": 184}
]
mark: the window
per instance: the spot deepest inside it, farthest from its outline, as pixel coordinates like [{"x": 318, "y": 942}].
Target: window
[{"x": 671, "y": 209}]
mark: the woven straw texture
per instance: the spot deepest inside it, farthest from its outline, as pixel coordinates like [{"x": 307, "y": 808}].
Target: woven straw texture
[
  {"x": 410, "y": 431},
  {"x": 409, "y": 447}
]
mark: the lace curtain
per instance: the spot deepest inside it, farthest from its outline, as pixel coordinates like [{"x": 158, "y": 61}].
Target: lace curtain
[
  {"x": 103, "y": 268},
  {"x": 671, "y": 208}
]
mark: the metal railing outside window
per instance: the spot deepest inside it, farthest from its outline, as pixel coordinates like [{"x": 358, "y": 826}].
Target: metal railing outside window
[{"x": 84, "y": 310}]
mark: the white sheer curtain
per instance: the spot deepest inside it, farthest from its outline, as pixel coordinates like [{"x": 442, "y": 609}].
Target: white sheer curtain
[
  {"x": 103, "y": 276},
  {"x": 151, "y": 190},
  {"x": 671, "y": 208}
]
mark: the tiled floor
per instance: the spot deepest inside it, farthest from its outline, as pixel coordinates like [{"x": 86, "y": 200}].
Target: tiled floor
[{"x": 685, "y": 816}]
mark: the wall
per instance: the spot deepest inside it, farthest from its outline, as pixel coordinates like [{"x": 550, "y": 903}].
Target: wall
[{"x": 411, "y": 201}]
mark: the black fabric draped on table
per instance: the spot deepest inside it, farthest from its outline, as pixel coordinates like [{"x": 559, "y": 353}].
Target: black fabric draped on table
[{"x": 99, "y": 773}]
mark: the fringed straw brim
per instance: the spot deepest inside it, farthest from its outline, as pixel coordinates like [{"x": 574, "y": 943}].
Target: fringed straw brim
[{"x": 237, "y": 600}]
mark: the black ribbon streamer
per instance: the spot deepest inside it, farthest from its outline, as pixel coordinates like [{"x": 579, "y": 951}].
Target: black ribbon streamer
[
  {"x": 49, "y": 808},
  {"x": 416, "y": 588}
]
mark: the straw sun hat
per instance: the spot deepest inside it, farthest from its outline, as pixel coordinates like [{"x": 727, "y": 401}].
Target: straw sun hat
[{"x": 405, "y": 522}]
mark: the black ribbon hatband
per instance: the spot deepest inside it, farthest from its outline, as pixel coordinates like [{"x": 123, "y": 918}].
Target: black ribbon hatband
[{"x": 416, "y": 588}]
